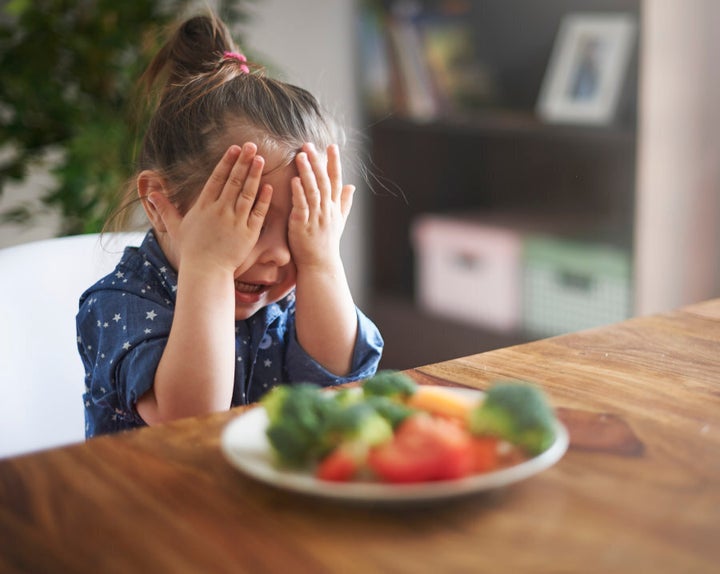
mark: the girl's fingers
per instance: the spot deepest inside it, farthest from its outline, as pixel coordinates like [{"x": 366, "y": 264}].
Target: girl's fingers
[
  {"x": 346, "y": 200},
  {"x": 300, "y": 208},
  {"x": 319, "y": 167},
  {"x": 216, "y": 182},
  {"x": 242, "y": 186},
  {"x": 237, "y": 179},
  {"x": 309, "y": 180},
  {"x": 334, "y": 170},
  {"x": 261, "y": 207}
]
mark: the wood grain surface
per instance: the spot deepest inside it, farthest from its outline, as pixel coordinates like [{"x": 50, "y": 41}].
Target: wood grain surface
[{"x": 638, "y": 490}]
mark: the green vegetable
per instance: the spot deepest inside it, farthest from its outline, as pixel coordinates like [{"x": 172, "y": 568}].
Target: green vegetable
[
  {"x": 517, "y": 412},
  {"x": 347, "y": 396},
  {"x": 392, "y": 411},
  {"x": 356, "y": 423},
  {"x": 392, "y": 384},
  {"x": 305, "y": 423},
  {"x": 297, "y": 416}
]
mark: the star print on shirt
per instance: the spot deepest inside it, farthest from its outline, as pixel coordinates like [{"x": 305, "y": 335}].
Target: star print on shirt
[
  {"x": 150, "y": 315},
  {"x": 267, "y": 363},
  {"x": 117, "y": 317}
]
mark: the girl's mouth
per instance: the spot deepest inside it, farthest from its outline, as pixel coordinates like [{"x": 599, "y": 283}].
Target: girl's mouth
[
  {"x": 249, "y": 293},
  {"x": 242, "y": 287}
]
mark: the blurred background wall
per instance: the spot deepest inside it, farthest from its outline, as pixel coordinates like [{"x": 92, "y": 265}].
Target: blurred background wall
[
  {"x": 312, "y": 43},
  {"x": 678, "y": 189}
]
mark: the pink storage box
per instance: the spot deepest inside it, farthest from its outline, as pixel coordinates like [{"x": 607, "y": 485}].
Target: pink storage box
[{"x": 469, "y": 271}]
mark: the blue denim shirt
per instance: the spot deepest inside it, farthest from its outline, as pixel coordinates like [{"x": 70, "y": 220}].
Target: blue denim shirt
[{"x": 123, "y": 325}]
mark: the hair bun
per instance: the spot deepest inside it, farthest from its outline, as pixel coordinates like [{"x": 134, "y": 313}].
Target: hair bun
[{"x": 198, "y": 43}]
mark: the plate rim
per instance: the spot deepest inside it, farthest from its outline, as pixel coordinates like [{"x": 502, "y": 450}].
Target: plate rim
[{"x": 366, "y": 491}]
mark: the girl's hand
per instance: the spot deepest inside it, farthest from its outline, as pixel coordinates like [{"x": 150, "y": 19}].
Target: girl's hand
[
  {"x": 196, "y": 371},
  {"x": 321, "y": 205},
  {"x": 223, "y": 225},
  {"x": 326, "y": 319}
]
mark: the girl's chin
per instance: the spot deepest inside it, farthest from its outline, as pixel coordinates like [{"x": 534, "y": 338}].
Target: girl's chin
[{"x": 247, "y": 304}]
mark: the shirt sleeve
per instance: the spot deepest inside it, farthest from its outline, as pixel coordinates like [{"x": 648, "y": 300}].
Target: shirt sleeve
[
  {"x": 369, "y": 344},
  {"x": 121, "y": 337}
]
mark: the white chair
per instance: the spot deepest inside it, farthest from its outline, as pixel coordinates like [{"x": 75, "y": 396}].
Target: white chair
[{"x": 41, "y": 374}]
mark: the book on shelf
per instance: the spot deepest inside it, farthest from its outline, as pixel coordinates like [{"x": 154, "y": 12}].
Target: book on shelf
[
  {"x": 461, "y": 81},
  {"x": 374, "y": 63},
  {"x": 420, "y": 63},
  {"x": 414, "y": 88}
]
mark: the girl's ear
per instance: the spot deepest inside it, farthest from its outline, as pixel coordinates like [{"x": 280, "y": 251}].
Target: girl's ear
[{"x": 149, "y": 182}]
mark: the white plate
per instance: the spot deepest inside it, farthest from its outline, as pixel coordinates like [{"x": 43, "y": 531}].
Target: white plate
[{"x": 245, "y": 445}]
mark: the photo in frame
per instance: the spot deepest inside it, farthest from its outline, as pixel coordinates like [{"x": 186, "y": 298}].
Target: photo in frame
[{"x": 587, "y": 68}]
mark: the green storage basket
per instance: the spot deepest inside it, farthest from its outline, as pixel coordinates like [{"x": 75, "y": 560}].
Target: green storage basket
[{"x": 570, "y": 286}]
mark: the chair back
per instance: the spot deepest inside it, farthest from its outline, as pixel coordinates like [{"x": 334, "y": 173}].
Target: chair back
[{"x": 41, "y": 374}]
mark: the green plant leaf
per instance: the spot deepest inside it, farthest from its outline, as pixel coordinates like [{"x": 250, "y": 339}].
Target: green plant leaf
[{"x": 67, "y": 83}]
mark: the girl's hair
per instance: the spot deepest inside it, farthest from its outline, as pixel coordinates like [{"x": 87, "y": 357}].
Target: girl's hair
[{"x": 202, "y": 89}]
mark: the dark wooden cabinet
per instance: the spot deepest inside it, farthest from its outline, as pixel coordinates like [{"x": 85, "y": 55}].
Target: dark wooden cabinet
[{"x": 499, "y": 159}]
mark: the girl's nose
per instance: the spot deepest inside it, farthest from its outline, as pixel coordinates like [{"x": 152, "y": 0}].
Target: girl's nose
[{"x": 275, "y": 248}]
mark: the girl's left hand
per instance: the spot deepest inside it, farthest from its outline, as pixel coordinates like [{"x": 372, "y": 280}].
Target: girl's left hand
[{"x": 321, "y": 205}]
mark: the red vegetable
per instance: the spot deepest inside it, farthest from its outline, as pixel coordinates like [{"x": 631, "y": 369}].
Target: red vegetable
[
  {"x": 424, "y": 448},
  {"x": 342, "y": 464},
  {"x": 485, "y": 453}
]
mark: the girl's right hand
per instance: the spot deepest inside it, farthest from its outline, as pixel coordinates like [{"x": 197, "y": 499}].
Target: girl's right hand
[
  {"x": 223, "y": 225},
  {"x": 207, "y": 245}
]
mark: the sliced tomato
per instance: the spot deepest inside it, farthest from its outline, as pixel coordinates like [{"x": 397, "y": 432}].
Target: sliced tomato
[
  {"x": 339, "y": 466},
  {"x": 485, "y": 453},
  {"x": 424, "y": 448}
]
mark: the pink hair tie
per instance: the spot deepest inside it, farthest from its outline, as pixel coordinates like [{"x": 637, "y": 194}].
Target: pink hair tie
[{"x": 240, "y": 58}]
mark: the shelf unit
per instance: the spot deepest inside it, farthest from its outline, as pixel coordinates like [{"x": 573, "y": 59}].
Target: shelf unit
[{"x": 500, "y": 159}]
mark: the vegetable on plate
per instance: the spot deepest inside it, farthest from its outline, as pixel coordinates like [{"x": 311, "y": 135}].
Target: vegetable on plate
[{"x": 393, "y": 430}]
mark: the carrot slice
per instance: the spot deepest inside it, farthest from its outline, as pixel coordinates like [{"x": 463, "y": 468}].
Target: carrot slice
[{"x": 442, "y": 402}]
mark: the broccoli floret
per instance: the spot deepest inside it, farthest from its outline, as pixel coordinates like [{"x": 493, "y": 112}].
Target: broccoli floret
[
  {"x": 274, "y": 400},
  {"x": 297, "y": 415},
  {"x": 357, "y": 423},
  {"x": 517, "y": 412},
  {"x": 392, "y": 384},
  {"x": 347, "y": 396},
  {"x": 305, "y": 423},
  {"x": 392, "y": 411}
]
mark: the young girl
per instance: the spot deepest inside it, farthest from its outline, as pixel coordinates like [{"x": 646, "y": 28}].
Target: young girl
[{"x": 239, "y": 284}]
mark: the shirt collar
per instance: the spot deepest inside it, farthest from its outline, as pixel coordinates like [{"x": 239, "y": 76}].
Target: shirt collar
[{"x": 153, "y": 255}]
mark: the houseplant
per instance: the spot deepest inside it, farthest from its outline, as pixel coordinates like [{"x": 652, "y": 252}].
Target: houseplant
[{"x": 66, "y": 97}]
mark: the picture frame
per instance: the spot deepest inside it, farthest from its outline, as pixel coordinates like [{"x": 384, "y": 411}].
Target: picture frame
[{"x": 587, "y": 68}]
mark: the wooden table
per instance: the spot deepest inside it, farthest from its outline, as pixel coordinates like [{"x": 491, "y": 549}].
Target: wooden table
[{"x": 638, "y": 490}]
